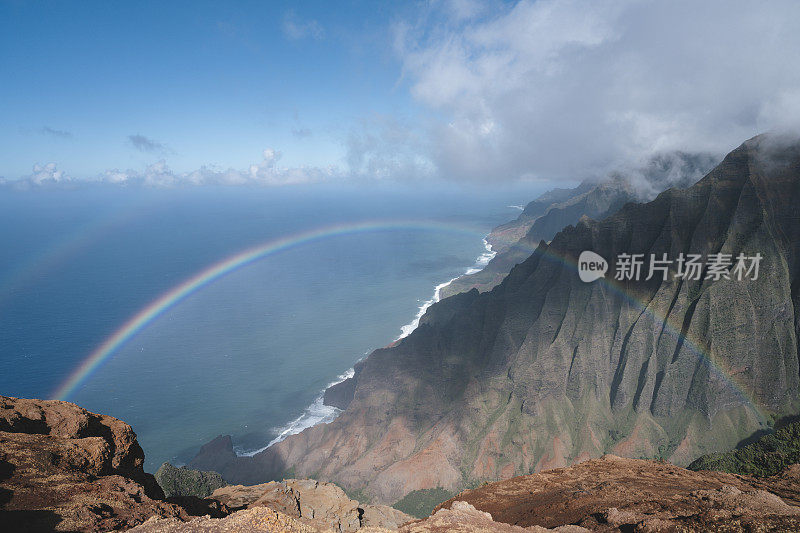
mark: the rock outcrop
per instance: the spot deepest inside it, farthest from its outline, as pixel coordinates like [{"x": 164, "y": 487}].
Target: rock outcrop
[
  {"x": 57, "y": 473},
  {"x": 256, "y": 520},
  {"x": 610, "y": 495},
  {"x": 64, "y": 468},
  {"x": 323, "y": 505},
  {"x": 615, "y": 494},
  {"x": 546, "y": 370}
]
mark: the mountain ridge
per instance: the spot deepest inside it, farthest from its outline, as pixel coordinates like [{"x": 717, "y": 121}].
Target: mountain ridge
[
  {"x": 545, "y": 216},
  {"x": 544, "y": 370}
]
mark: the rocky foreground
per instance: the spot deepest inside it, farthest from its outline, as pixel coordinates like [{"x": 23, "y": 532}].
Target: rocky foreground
[
  {"x": 608, "y": 494},
  {"x": 63, "y": 468}
]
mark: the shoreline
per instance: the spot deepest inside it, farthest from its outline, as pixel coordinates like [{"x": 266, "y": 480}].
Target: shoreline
[
  {"x": 318, "y": 412},
  {"x": 480, "y": 264}
]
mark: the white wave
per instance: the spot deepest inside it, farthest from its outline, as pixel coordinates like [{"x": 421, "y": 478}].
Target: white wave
[
  {"x": 520, "y": 207},
  {"x": 480, "y": 263},
  {"x": 482, "y": 260},
  {"x": 318, "y": 412}
]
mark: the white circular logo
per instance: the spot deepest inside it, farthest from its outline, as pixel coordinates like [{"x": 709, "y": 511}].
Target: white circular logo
[{"x": 591, "y": 266}]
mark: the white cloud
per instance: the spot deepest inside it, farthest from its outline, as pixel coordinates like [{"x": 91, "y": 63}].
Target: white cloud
[
  {"x": 47, "y": 175},
  {"x": 267, "y": 172},
  {"x": 567, "y": 88},
  {"x": 52, "y": 132},
  {"x": 384, "y": 147}
]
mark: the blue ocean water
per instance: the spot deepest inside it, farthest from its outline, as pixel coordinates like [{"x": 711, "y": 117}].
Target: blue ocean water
[{"x": 249, "y": 353}]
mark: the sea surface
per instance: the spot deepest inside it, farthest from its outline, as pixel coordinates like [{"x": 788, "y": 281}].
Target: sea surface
[{"x": 249, "y": 353}]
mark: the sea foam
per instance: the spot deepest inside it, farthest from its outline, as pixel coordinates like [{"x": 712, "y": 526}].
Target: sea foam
[
  {"x": 480, "y": 263},
  {"x": 318, "y": 412}
]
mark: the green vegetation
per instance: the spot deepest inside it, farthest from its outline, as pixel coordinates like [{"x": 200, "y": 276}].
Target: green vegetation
[
  {"x": 185, "y": 482},
  {"x": 765, "y": 457},
  {"x": 358, "y": 495},
  {"x": 420, "y": 503}
]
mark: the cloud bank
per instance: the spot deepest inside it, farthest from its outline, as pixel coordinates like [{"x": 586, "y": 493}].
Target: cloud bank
[
  {"x": 570, "y": 89},
  {"x": 267, "y": 172}
]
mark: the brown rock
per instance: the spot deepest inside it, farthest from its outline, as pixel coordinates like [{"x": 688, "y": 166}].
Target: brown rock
[
  {"x": 123, "y": 455},
  {"x": 615, "y": 494},
  {"x": 464, "y": 518},
  {"x": 322, "y": 505},
  {"x": 257, "y": 520},
  {"x": 64, "y": 468}
]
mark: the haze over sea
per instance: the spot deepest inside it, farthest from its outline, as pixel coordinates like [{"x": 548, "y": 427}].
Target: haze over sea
[{"x": 249, "y": 353}]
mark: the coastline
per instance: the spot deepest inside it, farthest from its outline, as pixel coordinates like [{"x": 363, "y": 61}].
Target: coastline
[
  {"x": 318, "y": 412},
  {"x": 479, "y": 265}
]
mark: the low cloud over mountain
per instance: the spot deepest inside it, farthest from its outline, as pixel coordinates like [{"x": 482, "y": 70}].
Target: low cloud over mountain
[{"x": 552, "y": 89}]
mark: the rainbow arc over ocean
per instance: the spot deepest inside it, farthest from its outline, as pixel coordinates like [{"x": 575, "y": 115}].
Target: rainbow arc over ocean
[
  {"x": 240, "y": 260},
  {"x": 222, "y": 268}
]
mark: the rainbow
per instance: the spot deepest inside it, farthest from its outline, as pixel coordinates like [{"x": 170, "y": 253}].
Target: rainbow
[
  {"x": 667, "y": 327},
  {"x": 169, "y": 299}
]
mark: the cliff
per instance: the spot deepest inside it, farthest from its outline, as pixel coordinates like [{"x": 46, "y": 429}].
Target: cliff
[
  {"x": 545, "y": 370},
  {"x": 597, "y": 199},
  {"x": 66, "y": 469},
  {"x": 63, "y": 468},
  {"x": 610, "y": 495}
]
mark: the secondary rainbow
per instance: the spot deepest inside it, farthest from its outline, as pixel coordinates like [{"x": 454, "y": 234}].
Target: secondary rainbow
[{"x": 222, "y": 268}]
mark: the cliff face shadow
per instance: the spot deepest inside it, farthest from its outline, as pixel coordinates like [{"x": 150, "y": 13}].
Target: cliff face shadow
[
  {"x": 199, "y": 506},
  {"x": 219, "y": 456},
  {"x": 786, "y": 420},
  {"x": 29, "y": 521},
  {"x": 755, "y": 437},
  {"x": 6, "y": 471},
  {"x": 780, "y": 423}
]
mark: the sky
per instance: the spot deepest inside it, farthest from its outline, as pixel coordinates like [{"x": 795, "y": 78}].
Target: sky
[{"x": 193, "y": 92}]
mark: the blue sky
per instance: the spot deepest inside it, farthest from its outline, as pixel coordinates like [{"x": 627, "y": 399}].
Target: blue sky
[
  {"x": 460, "y": 90},
  {"x": 213, "y": 82}
]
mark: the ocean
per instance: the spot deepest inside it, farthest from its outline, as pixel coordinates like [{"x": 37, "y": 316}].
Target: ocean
[{"x": 249, "y": 352}]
